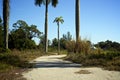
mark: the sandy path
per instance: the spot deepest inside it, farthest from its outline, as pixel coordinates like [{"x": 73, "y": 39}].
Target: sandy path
[{"x": 54, "y": 68}]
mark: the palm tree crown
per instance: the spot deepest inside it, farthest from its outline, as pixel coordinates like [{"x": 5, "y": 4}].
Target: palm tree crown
[
  {"x": 59, "y": 20},
  {"x": 40, "y": 2}
]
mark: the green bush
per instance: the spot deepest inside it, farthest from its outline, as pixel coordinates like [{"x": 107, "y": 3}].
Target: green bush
[{"x": 23, "y": 44}]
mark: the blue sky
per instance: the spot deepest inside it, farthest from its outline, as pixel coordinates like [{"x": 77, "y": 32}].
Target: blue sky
[{"x": 99, "y": 19}]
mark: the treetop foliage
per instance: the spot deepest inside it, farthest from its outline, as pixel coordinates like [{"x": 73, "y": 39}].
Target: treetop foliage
[
  {"x": 29, "y": 31},
  {"x": 21, "y": 35},
  {"x": 40, "y": 2},
  {"x": 59, "y": 20},
  {"x": 109, "y": 45}
]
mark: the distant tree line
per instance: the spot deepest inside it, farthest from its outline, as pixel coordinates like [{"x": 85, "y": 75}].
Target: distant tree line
[
  {"x": 108, "y": 45},
  {"x": 65, "y": 38},
  {"x": 54, "y": 43}
]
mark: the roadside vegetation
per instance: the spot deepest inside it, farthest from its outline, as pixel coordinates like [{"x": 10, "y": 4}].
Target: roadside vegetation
[
  {"x": 104, "y": 54},
  {"x": 14, "y": 62}
]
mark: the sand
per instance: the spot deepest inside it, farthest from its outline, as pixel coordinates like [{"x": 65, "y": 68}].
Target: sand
[{"x": 54, "y": 68}]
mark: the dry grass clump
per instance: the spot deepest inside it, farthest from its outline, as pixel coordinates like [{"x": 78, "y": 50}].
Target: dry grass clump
[
  {"x": 70, "y": 46},
  {"x": 81, "y": 46}
]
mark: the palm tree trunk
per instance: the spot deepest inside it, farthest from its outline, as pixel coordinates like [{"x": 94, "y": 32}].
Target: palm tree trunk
[
  {"x": 6, "y": 21},
  {"x": 58, "y": 40},
  {"x": 46, "y": 26},
  {"x": 77, "y": 16}
]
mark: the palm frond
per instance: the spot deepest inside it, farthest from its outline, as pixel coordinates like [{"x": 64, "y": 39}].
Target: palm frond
[
  {"x": 62, "y": 21},
  {"x": 38, "y": 2},
  {"x": 59, "y": 19},
  {"x": 54, "y": 3}
]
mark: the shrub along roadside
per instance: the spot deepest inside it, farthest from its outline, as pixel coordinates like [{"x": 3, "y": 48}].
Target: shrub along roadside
[
  {"x": 83, "y": 53},
  {"x": 16, "y": 62},
  {"x": 109, "y": 60}
]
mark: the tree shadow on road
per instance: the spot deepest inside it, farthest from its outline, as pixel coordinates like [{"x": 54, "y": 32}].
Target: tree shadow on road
[{"x": 59, "y": 64}]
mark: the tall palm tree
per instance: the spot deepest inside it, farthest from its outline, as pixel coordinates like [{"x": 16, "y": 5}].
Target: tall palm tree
[
  {"x": 58, "y": 20},
  {"x": 6, "y": 10},
  {"x": 46, "y": 3},
  {"x": 77, "y": 19}
]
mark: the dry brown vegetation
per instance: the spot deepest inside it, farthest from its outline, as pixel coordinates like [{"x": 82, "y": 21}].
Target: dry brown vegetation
[
  {"x": 12, "y": 64},
  {"x": 82, "y": 53}
]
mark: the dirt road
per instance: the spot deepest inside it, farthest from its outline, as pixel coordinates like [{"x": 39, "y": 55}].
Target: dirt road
[{"x": 54, "y": 68}]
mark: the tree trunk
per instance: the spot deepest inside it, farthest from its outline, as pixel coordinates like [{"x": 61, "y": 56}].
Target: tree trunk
[
  {"x": 77, "y": 20},
  {"x": 58, "y": 40},
  {"x": 6, "y": 21},
  {"x": 46, "y": 26}
]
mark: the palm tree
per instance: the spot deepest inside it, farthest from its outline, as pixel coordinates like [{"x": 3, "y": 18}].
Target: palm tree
[
  {"x": 58, "y": 20},
  {"x": 77, "y": 20},
  {"x": 6, "y": 8},
  {"x": 46, "y": 3}
]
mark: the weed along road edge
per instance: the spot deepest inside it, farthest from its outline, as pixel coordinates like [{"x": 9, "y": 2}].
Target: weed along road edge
[{"x": 54, "y": 68}]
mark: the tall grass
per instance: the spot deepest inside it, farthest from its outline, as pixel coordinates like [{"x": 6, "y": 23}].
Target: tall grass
[
  {"x": 27, "y": 54},
  {"x": 70, "y": 46},
  {"x": 81, "y": 46}
]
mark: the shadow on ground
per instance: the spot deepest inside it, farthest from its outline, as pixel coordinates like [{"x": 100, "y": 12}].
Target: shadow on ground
[{"x": 59, "y": 64}]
